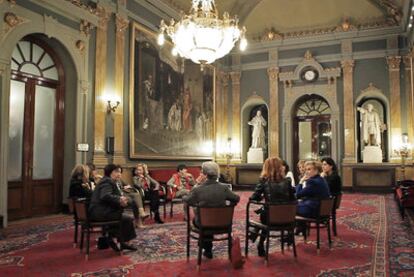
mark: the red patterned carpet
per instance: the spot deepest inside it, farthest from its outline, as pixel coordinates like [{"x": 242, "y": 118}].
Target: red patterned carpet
[{"x": 372, "y": 241}]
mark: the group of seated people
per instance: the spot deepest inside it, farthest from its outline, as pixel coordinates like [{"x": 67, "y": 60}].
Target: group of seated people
[{"x": 109, "y": 195}]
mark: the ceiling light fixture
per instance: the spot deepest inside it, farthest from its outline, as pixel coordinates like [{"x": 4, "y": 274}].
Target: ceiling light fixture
[{"x": 201, "y": 35}]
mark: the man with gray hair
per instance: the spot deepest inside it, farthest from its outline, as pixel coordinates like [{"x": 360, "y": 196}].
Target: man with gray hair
[{"x": 210, "y": 194}]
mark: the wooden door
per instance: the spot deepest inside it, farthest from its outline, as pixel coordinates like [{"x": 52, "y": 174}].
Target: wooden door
[{"x": 35, "y": 133}]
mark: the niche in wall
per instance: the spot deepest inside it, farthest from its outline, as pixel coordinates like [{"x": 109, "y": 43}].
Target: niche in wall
[{"x": 249, "y": 110}]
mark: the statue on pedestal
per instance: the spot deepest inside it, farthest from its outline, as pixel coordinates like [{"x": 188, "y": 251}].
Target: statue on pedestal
[
  {"x": 371, "y": 129},
  {"x": 371, "y": 126},
  {"x": 258, "y": 135}
]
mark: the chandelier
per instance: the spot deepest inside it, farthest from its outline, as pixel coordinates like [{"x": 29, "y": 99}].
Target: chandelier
[{"x": 202, "y": 36}]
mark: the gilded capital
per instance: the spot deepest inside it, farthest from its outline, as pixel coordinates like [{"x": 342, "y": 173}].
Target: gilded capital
[
  {"x": 121, "y": 24},
  {"x": 273, "y": 73},
  {"x": 223, "y": 78},
  {"x": 407, "y": 62},
  {"x": 347, "y": 64},
  {"x": 394, "y": 63},
  {"x": 235, "y": 77},
  {"x": 103, "y": 17}
]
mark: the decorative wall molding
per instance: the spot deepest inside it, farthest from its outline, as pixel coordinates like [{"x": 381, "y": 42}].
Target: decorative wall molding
[
  {"x": 104, "y": 16},
  {"x": 85, "y": 27},
  {"x": 394, "y": 63},
  {"x": 12, "y": 21},
  {"x": 79, "y": 4}
]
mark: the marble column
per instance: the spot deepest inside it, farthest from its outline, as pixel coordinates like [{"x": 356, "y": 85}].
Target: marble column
[
  {"x": 273, "y": 140},
  {"x": 408, "y": 59},
  {"x": 99, "y": 157},
  {"x": 236, "y": 136},
  {"x": 121, "y": 25},
  {"x": 349, "y": 110},
  {"x": 395, "y": 99}
]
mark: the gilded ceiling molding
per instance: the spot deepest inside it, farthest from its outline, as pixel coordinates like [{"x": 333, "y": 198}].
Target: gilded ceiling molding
[
  {"x": 81, "y": 5},
  {"x": 121, "y": 24},
  {"x": 392, "y": 11},
  {"x": 344, "y": 26},
  {"x": 394, "y": 63}
]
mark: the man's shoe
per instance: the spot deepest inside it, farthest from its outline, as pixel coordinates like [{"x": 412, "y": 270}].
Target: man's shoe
[
  {"x": 128, "y": 247},
  {"x": 208, "y": 254},
  {"x": 158, "y": 220},
  {"x": 113, "y": 245},
  {"x": 261, "y": 251}
]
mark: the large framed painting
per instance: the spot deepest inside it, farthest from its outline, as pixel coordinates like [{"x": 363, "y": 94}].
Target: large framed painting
[{"x": 171, "y": 102}]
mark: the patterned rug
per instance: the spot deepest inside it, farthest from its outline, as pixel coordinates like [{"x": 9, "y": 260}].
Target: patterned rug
[{"x": 372, "y": 240}]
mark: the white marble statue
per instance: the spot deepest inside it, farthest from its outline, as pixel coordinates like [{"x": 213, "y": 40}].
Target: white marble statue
[
  {"x": 371, "y": 125},
  {"x": 258, "y": 134}
]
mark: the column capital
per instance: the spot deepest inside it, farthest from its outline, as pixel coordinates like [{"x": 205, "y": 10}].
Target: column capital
[
  {"x": 121, "y": 24},
  {"x": 407, "y": 61},
  {"x": 347, "y": 64},
  {"x": 393, "y": 63},
  {"x": 273, "y": 73},
  {"x": 223, "y": 78},
  {"x": 103, "y": 17},
  {"x": 235, "y": 77}
]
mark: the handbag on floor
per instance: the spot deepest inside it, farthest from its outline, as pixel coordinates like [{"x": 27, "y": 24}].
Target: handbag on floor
[{"x": 237, "y": 260}]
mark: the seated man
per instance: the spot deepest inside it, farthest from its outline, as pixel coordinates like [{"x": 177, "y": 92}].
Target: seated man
[
  {"x": 181, "y": 182},
  {"x": 107, "y": 204},
  {"x": 210, "y": 194}
]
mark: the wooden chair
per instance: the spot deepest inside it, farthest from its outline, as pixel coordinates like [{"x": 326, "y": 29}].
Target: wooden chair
[
  {"x": 211, "y": 221},
  {"x": 71, "y": 206},
  {"x": 321, "y": 220},
  {"x": 87, "y": 225},
  {"x": 163, "y": 200},
  {"x": 336, "y": 205},
  {"x": 280, "y": 218}
]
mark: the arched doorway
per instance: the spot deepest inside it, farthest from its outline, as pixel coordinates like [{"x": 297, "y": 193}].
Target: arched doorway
[
  {"x": 312, "y": 134},
  {"x": 36, "y": 121}
]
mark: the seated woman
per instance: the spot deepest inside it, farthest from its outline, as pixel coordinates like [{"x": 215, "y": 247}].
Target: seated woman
[
  {"x": 107, "y": 203},
  {"x": 301, "y": 170},
  {"x": 135, "y": 202},
  {"x": 79, "y": 182},
  {"x": 316, "y": 188},
  {"x": 273, "y": 187},
  {"x": 330, "y": 174},
  {"x": 148, "y": 187},
  {"x": 94, "y": 177},
  {"x": 288, "y": 173},
  {"x": 181, "y": 182}
]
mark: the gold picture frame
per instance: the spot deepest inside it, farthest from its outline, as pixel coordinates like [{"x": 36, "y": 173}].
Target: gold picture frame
[{"x": 172, "y": 102}]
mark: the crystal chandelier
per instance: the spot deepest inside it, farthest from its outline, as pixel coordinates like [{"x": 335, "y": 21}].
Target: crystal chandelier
[{"x": 202, "y": 36}]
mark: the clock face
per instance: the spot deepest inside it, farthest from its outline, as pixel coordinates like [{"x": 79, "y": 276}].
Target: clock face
[{"x": 310, "y": 75}]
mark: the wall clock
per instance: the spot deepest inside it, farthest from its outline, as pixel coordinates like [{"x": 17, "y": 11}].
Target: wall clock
[{"x": 309, "y": 74}]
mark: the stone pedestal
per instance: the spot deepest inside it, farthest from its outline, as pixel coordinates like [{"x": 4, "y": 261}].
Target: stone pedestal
[
  {"x": 255, "y": 155},
  {"x": 372, "y": 154}
]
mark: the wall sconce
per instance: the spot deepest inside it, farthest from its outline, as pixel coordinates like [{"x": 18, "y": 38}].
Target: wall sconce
[
  {"x": 403, "y": 151},
  {"x": 111, "y": 107}
]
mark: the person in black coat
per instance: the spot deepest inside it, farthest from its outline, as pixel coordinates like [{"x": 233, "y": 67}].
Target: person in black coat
[
  {"x": 330, "y": 174},
  {"x": 107, "y": 203},
  {"x": 273, "y": 187},
  {"x": 211, "y": 193},
  {"x": 79, "y": 182},
  {"x": 311, "y": 189}
]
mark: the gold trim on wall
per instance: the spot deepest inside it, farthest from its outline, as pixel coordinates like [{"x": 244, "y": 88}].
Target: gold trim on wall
[{"x": 136, "y": 27}]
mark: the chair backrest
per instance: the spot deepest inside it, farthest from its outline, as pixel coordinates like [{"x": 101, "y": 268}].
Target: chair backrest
[
  {"x": 221, "y": 217},
  {"x": 325, "y": 207},
  {"x": 81, "y": 210},
  {"x": 71, "y": 205},
  {"x": 281, "y": 213},
  {"x": 337, "y": 202}
]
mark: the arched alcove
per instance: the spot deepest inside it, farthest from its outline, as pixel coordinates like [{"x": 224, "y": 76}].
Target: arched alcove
[
  {"x": 252, "y": 104},
  {"x": 374, "y": 96}
]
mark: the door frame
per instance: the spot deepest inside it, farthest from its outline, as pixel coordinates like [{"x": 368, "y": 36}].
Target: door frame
[{"x": 59, "y": 86}]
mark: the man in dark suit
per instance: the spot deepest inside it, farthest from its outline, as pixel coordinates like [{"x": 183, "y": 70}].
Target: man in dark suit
[
  {"x": 107, "y": 203},
  {"x": 210, "y": 194}
]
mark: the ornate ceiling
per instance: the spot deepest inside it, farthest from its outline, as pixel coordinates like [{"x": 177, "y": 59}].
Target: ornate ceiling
[{"x": 276, "y": 19}]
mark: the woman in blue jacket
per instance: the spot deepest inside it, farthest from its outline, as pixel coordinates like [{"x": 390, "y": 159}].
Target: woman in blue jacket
[{"x": 311, "y": 189}]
